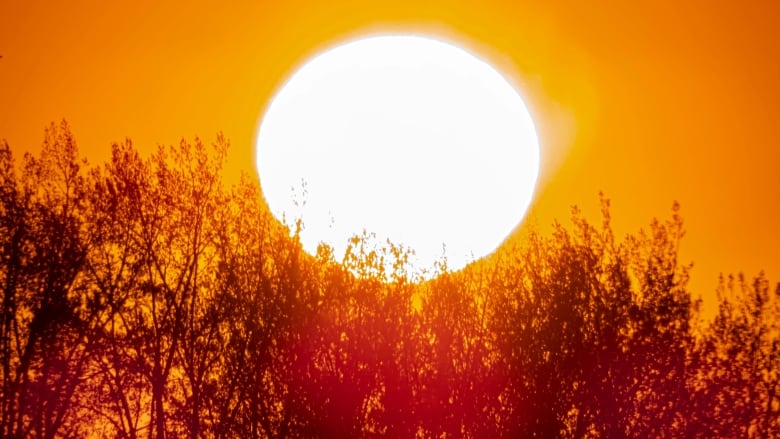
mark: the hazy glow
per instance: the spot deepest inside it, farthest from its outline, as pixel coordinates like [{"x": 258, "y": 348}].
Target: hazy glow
[{"x": 410, "y": 138}]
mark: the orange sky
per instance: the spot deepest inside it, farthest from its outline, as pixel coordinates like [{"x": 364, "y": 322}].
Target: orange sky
[{"x": 648, "y": 101}]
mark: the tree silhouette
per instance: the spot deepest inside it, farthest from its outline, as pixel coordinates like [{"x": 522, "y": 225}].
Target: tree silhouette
[
  {"x": 142, "y": 299},
  {"x": 736, "y": 385},
  {"x": 46, "y": 340}
]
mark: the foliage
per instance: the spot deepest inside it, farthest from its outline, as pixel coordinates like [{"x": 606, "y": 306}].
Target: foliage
[{"x": 141, "y": 298}]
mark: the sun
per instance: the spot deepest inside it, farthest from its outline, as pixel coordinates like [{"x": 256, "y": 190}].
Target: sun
[{"x": 409, "y": 138}]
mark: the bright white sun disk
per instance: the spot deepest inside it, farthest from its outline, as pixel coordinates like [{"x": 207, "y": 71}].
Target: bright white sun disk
[{"x": 410, "y": 138}]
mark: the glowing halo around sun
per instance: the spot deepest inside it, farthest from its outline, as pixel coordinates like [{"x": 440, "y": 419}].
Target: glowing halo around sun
[{"x": 410, "y": 138}]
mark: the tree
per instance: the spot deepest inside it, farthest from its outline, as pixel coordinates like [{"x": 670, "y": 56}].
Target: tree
[
  {"x": 154, "y": 268},
  {"x": 115, "y": 265},
  {"x": 584, "y": 327},
  {"x": 739, "y": 355},
  {"x": 46, "y": 342},
  {"x": 263, "y": 288}
]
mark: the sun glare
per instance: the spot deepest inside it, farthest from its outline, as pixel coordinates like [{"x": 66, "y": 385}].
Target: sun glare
[{"x": 410, "y": 138}]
